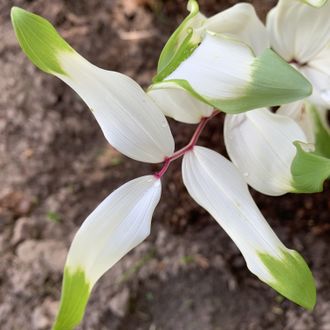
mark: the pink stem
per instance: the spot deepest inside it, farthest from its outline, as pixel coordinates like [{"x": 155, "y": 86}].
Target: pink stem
[{"x": 179, "y": 153}]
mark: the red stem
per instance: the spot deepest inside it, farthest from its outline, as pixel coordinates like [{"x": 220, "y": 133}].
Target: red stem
[{"x": 179, "y": 153}]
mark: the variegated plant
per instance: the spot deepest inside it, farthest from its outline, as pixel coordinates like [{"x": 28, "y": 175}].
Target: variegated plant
[{"x": 223, "y": 63}]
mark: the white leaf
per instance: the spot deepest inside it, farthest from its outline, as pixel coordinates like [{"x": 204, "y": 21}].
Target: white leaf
[
  {"x": 315, "y": 3},
  {"x": 321, "y": 85},
  {"x": 260, "y": 144},
  {"x": 321, "y": 61},
  {"x": 301, "y": 116},
  {"x": 240, "y": 22},
  {"x": 219, "y": 68},
  {"x": 129, "y": 119},
  {"x": 116, "y": 226},
  {"x": 297, "y": 31},
  {"x": 180, "y": 105},
  {"x": 215, "y": 184}
]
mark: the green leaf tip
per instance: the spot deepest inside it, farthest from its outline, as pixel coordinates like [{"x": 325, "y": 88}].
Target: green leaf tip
[
  {"x": 286, "y": 83},
  {"x": 181, "y": 43},
  {"x": 186, "y": 49},
  {"x": 309, "y": 170},
  {"x": 273, "y": 82},
  {"x": 75, "y": 293},
  {"x": 321, "y": 131},
  {"x": 39, "y": 40},
  {"x": 292, "y": 277}
]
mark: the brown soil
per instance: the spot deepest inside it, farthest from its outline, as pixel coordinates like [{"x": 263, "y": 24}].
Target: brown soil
[{"x": 55, "y": 167}]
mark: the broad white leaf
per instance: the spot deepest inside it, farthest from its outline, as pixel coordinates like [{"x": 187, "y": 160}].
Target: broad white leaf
[
  {"x": 219, "y": 68},
  {"x": 297, "y": 31},
  {"x": 321, "y": 85},
  {"x": 321, "y": 61},
  {"x": 226, "y": 74},
  {"x": 129, "y": 118},
  {"x": 260, "y": 144}
]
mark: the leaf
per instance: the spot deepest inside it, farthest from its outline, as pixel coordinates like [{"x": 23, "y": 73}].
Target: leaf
[
  {"x": 215, "y": 184},
  {"x": 309, "y": 170},
  {"x": 179, "y": 41},
  {"x": 129, "y": 119},
  {"x": 322, "y": 134},
  {"x": 115, "y": 227},
  {"x": 225, "y": 74},
  {"x": 291, "y": 277},
  {"x": 39, "y": 40},
  {"x": 75, "y": 293}
]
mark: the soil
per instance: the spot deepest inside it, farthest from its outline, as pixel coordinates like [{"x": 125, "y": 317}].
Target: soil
[{"x": 55, "y": 167}]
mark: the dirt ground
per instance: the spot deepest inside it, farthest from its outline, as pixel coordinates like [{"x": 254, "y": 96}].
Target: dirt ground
[{"x": 55, "y": 167}]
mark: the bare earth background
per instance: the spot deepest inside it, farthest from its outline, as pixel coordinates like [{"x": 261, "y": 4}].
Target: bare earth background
[{"x": 55, "y": 167}]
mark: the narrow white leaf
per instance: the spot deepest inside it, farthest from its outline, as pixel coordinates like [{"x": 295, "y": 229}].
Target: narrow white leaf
[
  {"x": 180, "y": 105},
  {"x": 215, "y": 184},
  {"x": 117, "y": 225}
]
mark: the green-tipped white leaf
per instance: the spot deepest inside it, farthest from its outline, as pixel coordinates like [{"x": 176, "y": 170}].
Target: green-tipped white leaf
[
  {"x": 180, "y": 105},
  {"x": 215, "y": 184},
  {"x": 227, "y": 75},
  {"x": 298, "y": 32},
  {"x": 116, "y": 226},
  {"x": 313, "y": 121},
  {"x": 309, "y": 170},
  {"x": 129, "y": 119},
  {"x": 240, "y": 22},
  {"x": 260, "y": 144}
]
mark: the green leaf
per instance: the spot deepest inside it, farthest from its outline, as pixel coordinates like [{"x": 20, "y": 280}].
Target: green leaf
[
  {"x": 181, "y": 44},
  {"x": 322, "y": 133},
  {"x": 186, "y": 49},
  {"x": 291, "y": 277},
  {"x": 309, "y": 171},
  {"x": 39, "y": 40},
  {"x": 75, "y": 294}
]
